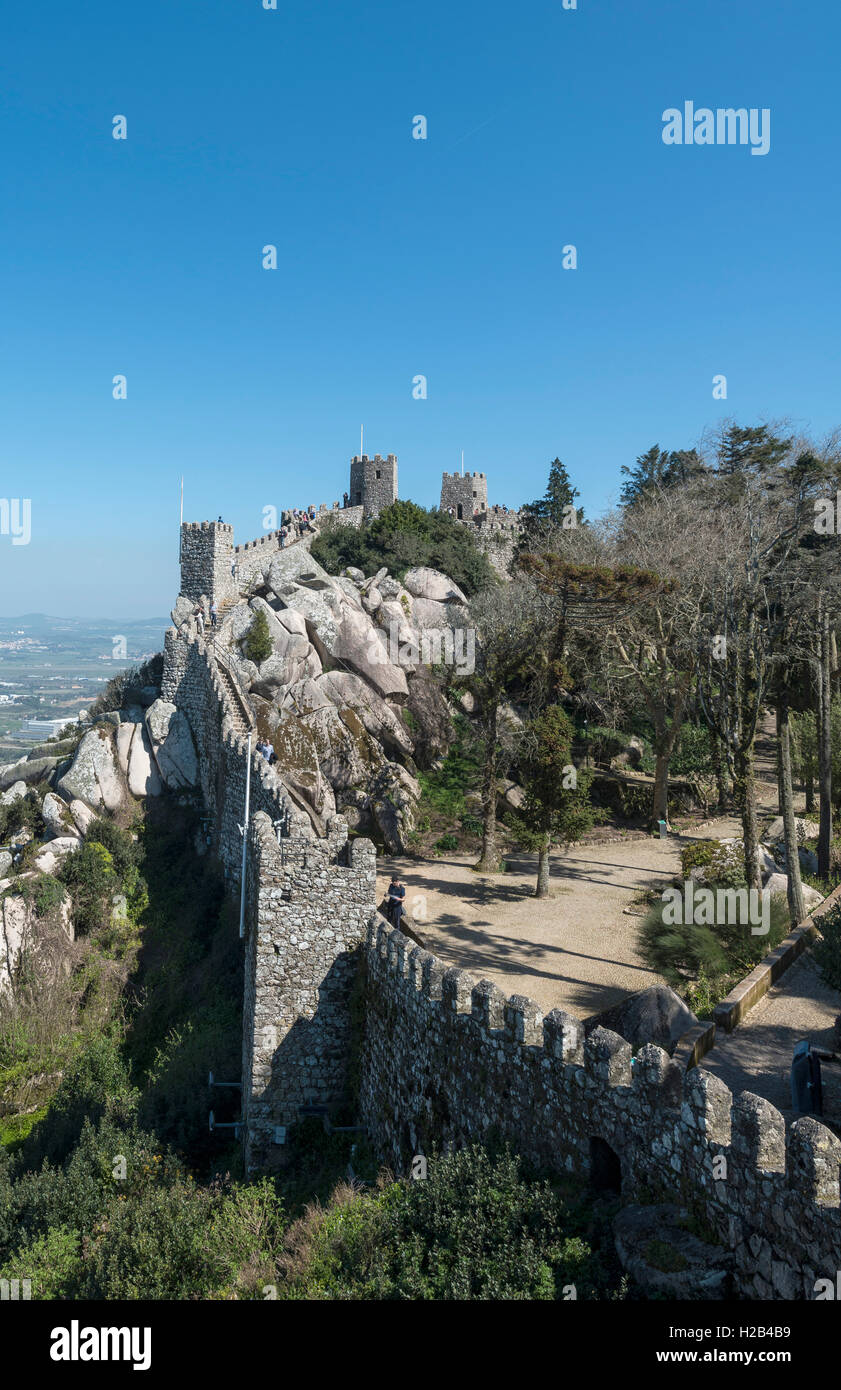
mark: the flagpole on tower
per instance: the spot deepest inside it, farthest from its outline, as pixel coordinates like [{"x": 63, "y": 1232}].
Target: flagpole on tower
[
  {"x": 462, "y": 463},
  {"x": 361, "y": 439},
  {"x": 181, "y": 519}
]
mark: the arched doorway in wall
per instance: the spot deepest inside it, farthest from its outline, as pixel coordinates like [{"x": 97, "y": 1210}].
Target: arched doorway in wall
[
  {"x": 605, "y": 1167},
  {"x": 459, "y": 512}
]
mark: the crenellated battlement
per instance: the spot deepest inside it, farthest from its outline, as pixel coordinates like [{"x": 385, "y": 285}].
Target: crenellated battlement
[{"x": 466, "y": 1060}]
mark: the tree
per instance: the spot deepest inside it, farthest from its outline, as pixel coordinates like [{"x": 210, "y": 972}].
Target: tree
[
  {"x": 556, "y": 806},
  {"x": 667, "y": 534},
  {"x": 658, "y": 470},
  {"x": 592, "y": 596},
  {"x": 747, "y": 608},
  {"x": 555, "y": 510},
  {"x": 405, "y": 535},
  {"x": 507, "y": 624},
  {"x": 257, "y": 643}
]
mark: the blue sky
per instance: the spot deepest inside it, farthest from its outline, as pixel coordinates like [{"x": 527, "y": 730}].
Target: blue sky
[{"x": 397, "y": 257}]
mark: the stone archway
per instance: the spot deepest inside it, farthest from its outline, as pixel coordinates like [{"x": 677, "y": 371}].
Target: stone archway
[{"x": 605, "y": 1167}]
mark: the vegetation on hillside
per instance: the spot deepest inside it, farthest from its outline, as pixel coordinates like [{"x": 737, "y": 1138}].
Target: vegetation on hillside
[{"x": 405, "y": 535}]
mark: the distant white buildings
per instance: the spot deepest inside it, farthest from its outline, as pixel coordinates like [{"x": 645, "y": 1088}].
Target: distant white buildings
[{"x": 40, "y": 729}]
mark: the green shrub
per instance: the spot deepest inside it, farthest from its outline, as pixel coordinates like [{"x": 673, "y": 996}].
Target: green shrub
[
  {"x": 828, "y": 949},
  {"x": 697, "y": 855},
  {"x": 687, "y": 952},
  {"x": 257, "y": 643},
  {"x": 51, "y": 1262},
  {"x": 153, "y": 1245},
  {"x": 446, "y": 788},
  {"x": 476, "y": 1228},
  {"x": 44, "y": 892},
  {"x": 693, "y": 754},
  {"x": 96, "y": 1081},
  {"x": 446, "y": 843},
  {"x": 405, "y": 535},
  {"x": 90, "y": 876},
  {"x": 22, "y": 814}
]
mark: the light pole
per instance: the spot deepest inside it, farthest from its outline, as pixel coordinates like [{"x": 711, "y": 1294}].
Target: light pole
[{"x": 244, "y": 829}]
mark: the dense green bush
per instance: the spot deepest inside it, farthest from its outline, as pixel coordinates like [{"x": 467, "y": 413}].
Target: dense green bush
[
  {"x": 697, "y": 854},
  {"x": 90, "y": 876},
  {"x": 478, "y": 1227},
  {"x": 257, "y": 643},
  {"x": 404, "y": 535},
  {"x": 693, "y": 754},
  {"x": 43, "y": 891}
]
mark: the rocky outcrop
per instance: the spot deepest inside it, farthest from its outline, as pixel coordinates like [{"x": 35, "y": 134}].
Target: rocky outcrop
[
  {"x": 425, "y": 583},
  {"x": 30, "y": 771},
  {"x": 83, "y": 816},
  {"x": 172, "y": 745},
  {"x": 429, "y": 718},
  {"x": 24, "y": 936},
  {"x": 95, "y": 776},
  {"x": 335, "y": 622},
  {"x": 137, "y": 760},
  {"x": 49, "y": 859},
  {"x": 57, "y": 818},
  {"x": 15, "y": 792},
  {"x": 345, "y": 690},
  {"x": 393, "y": 801},
  {"x": 654, "y": 1015}
]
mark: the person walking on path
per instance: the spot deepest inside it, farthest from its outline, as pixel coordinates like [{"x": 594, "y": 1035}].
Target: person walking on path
[
  {"x": 214, "y": 613},
  {"x": 199, "y": 617},
  {"x": 396, "y": 894}
]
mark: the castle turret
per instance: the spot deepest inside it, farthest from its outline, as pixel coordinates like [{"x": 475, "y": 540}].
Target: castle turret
[
  {"x": 466, "y": 493},
  {"x": 373, "y": 483},
  {"x": 206, "y": 555}
]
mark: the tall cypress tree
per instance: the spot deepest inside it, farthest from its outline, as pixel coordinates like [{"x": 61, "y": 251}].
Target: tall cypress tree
[{"x": 552, "y": 510}]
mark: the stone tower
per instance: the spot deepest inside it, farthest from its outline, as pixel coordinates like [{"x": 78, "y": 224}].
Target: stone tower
[
  {"x": 373, "y": 483},
  {"x": 467, "y": 494},
  {"x": 207, "y": 549}
]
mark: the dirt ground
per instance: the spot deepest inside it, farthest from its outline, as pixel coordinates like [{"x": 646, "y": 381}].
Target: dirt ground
[{"x": 576, "y": 950}]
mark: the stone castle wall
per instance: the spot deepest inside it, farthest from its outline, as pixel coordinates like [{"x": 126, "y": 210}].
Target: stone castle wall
[
  {"x": 309, "y": 903},
  {"x": 191, "y": 682},
  {"x": 448, "y": 1060}
]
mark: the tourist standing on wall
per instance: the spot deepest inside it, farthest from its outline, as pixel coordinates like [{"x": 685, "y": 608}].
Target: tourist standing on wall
[{"x": 396, "y": 894}]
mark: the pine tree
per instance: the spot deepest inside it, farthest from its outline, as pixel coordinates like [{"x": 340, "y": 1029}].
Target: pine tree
[
  {"x": 555, "y": 509},
  {"x": 257, "y": 645}
]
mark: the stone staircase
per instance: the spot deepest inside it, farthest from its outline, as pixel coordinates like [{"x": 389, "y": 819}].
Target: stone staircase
[{"x": 234, "y": 699}]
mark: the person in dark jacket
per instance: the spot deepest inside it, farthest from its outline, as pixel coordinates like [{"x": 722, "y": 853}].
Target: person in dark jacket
[{"x": 396, "y": 894}]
